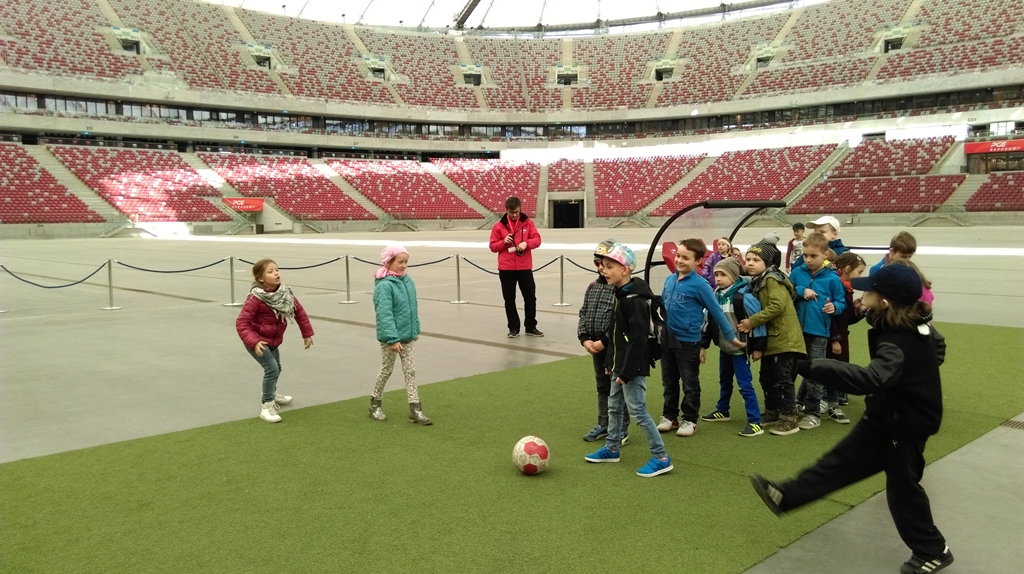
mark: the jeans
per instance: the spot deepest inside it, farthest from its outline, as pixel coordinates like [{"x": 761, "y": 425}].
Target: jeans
[
  {"x": 683, "y": 363},
  {"x": 777, "y": 377},
  {"x": 634, "y": 394},
  {"x": 811, "y": 391},
  {"x": 864, "y": 452},
  {"x": 604, "y": 388},
  {"x": 271, "y": 362},
  {"x": 524, "y": 278},
  {"x": 729, "y": 365}
]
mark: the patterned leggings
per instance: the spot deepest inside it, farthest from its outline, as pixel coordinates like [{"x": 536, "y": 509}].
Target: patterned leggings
[{"x": 387, "y": 365}]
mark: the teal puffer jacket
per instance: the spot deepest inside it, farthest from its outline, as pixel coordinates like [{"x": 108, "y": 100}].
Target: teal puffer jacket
[{"x": 398, "y": 318}]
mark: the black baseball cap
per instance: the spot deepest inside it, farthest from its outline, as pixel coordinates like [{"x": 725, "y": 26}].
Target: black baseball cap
[{"x": 898, "y": 283}]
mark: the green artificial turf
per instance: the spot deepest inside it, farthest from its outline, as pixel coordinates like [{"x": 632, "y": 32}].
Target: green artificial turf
[{"x": 330, "y": 490}]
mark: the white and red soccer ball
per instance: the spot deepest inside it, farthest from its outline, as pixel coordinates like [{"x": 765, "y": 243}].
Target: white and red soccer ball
[{"x": 531, "y": 455}]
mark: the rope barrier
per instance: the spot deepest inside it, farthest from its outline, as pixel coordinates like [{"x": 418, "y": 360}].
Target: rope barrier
[
  {"x": 580, "y": 266},
  {"x": 375, "y": 264},
  {"x": 11, "y": 273},
  {"x": 294, "y": 268},
  {"x": 546, "y": 264},
  {"x": 175, "y": 271},
  {"x": 431, "y": 262},
  {"x": 480, "y": 268}
]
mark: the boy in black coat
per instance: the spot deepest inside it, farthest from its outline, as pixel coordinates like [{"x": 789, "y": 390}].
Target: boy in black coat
[{"x": 903, "y": 407}]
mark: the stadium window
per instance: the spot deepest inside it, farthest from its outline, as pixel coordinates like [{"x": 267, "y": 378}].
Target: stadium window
[
  {"x": 130, "y": 46},
  {"x": 263, "y": 61},
  {"x": 568, "y": 79},
  {"x": 378, "y": 73},
  {"x": 1006, "y": 93},
  {"x": 763, "y": 62},
  {"x": 471, "y": 79},
  {"x": 201, "y": 115},
  {"x": 893, "y": 45},
  {"x": 662, "y": 74},
  {"x": 1001, "y": 128}
]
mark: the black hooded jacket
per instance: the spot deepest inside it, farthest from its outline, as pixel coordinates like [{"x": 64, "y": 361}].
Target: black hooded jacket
[{"x": 630, "y": 328}]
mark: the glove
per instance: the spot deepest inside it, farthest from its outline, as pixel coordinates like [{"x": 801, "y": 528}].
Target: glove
[{"x": 803, "y": 367}]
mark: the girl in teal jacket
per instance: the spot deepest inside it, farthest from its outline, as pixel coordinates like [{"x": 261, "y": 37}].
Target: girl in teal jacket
[{"x": 398, "y": 326}]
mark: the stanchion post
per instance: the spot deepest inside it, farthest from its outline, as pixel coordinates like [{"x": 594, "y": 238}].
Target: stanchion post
[
  {"x": 561, "y": 283},
  {"x": 110, "y": 286},
  {"x": 458, "y": 283},
  {"x": 348, "y": 285},
  {"x": 231, "y": 281}
]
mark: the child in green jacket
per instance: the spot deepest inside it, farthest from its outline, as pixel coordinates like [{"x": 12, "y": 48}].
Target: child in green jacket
[{"x": 398, "y": 326}]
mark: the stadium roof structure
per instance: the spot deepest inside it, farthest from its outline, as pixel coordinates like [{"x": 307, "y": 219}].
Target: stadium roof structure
[{"x": 516, "y": 16}]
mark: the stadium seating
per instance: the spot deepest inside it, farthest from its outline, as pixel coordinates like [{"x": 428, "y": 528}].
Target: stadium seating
[
  {"x": 30, "y": 194},
  {"x": 873, "y": 158},
  {"x": 321, "y": 55},
  {"x": 764, "y": 174},
  {"x": 953, "y": 59},
  {"x": 429, "y": 62},
  {"x": 624, "y": 186},
  {"x": 955, "y": 21},
  {"x": 146, "y": 185},
  {"x": 824, "y": 75},
  {"x": 840, "y": 28},
  {"x": 714, "y": 52},
  {"x": 506, "y": 69},
  {"x": 566, "y": 175},
  {"x": 614, "y": 66},
  {"x": 918, "y": 194},
  {"x": 1004, "y": 191},
  {"x": 59, "y": 37},
  {"x": 296, "y": 186},
  {"x": 537, "y": 57},
  {"x": 403, "y": 189},
  {"x": 491, "y": 181}
]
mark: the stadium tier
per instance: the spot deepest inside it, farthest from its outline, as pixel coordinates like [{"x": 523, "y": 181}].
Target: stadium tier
[
  {"x": 1004, "y": 191},
  {"x": 874, "y": 158},
  {"x": 911, "y": 194},
  {"x": 566, "y": 175},
  {"x": 294, "y": 184},
  {"x": 403, "y": 189},
  {"x": 491, "y": 181},
  {"x": 622, "y": 187},
  {"x": 204, "y": 47},
  {"x": 765, "y": 174},
  {"x": 30, "y": 194},
  {"x": 145, "y": 185}
]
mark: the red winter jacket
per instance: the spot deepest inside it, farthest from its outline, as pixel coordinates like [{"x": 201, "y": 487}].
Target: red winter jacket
[
  {"x": 523, "y": 230},
  {"x": 257, "y": 322}
]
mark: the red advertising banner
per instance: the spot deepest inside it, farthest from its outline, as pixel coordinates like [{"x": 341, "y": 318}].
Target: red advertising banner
[
  {"x": 993, "y": 147},
  {"x": 244, "y": 203}
]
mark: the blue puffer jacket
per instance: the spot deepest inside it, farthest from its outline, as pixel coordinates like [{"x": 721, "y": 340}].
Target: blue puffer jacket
[
  {"x": 829, "y": 287},
  {"x": 398, "y": 318}
]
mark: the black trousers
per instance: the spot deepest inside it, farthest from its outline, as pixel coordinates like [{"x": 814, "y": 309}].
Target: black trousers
[
  {"x": 777, "y": 378},
  {"x": 681, "y": 363},
  {"x": 524, "y": 278},
  {"x": 866, "y": 451}
]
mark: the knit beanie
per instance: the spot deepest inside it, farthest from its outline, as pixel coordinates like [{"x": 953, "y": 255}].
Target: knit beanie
[
  {"x": 622, "y": 255},
  {"x": 731, "y": 267},
  {"x": 772, "y": 236},
  {"x": 767, "y": 251}
]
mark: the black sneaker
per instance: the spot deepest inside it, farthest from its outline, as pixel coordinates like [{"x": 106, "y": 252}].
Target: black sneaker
[
  {"x": 717, "y": 416},
  {"x": 844, "y": 399},
  {"x": 534, "y": 333},
  {"x": 513, "y": 334},
  {"x": 922, "y": 566},
  {"x": 600, "y": 431},
  {"x": 770, "y": 494}
]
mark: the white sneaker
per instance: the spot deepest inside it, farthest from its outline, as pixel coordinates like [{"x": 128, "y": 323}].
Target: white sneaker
[
  {"x": 667, "y": 424},
  {"x": 269, "y": 412},
  {"x": 282, "y": 399},
  {"x": 686, "y": 428}
]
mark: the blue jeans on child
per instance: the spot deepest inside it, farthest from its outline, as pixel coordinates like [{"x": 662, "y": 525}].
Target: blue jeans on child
[
  {"x": 728, "y": 366},
  {"x": 814, "y": 391},
  {"x": 681, "y": 363},
  {"x": 634, "y": 395},
  {"x": 271, "y": 362}
]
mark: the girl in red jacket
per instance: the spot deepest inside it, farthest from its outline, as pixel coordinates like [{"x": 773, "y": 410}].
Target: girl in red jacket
[{"x": 261, "y": 324}]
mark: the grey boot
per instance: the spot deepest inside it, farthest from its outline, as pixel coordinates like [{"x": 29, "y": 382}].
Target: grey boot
[
  {"x": 376, "y": 413},
  {"x": 416, "y": 415}
]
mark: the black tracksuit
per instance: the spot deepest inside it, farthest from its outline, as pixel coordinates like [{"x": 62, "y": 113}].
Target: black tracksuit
[{"x": 903, "y": 407}]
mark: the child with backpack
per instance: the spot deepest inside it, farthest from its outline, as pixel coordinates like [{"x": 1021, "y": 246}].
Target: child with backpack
[{"x": 737, "y": 304}]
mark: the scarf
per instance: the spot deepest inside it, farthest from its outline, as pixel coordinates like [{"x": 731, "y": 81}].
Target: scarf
[
  {"x": 282, "y": 301},
  {"x": 386, "y": 256},
  {"x": 757, "y": 283}
]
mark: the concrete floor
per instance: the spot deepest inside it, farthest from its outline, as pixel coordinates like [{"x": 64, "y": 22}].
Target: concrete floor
[{"x": 76, "y": 376}]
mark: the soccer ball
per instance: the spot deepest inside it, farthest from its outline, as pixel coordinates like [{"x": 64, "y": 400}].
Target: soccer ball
[{"x": 531, "y": 455}]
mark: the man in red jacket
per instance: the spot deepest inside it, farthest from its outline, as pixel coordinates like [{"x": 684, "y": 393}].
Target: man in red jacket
[{"x": 513, "y": 238}]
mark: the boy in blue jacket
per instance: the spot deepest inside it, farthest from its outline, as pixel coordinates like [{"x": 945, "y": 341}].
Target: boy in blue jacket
[
  {"x": 686, "y": 297},
  {"x": 737, "y": 304},
  {"x": 819, "y": 295}
]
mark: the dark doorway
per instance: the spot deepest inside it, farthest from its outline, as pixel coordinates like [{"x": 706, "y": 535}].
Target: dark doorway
[{"x": 568, "y": 214}]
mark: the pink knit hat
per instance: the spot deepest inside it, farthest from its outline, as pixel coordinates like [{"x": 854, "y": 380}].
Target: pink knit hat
[{"x": 386, "y": 255}]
